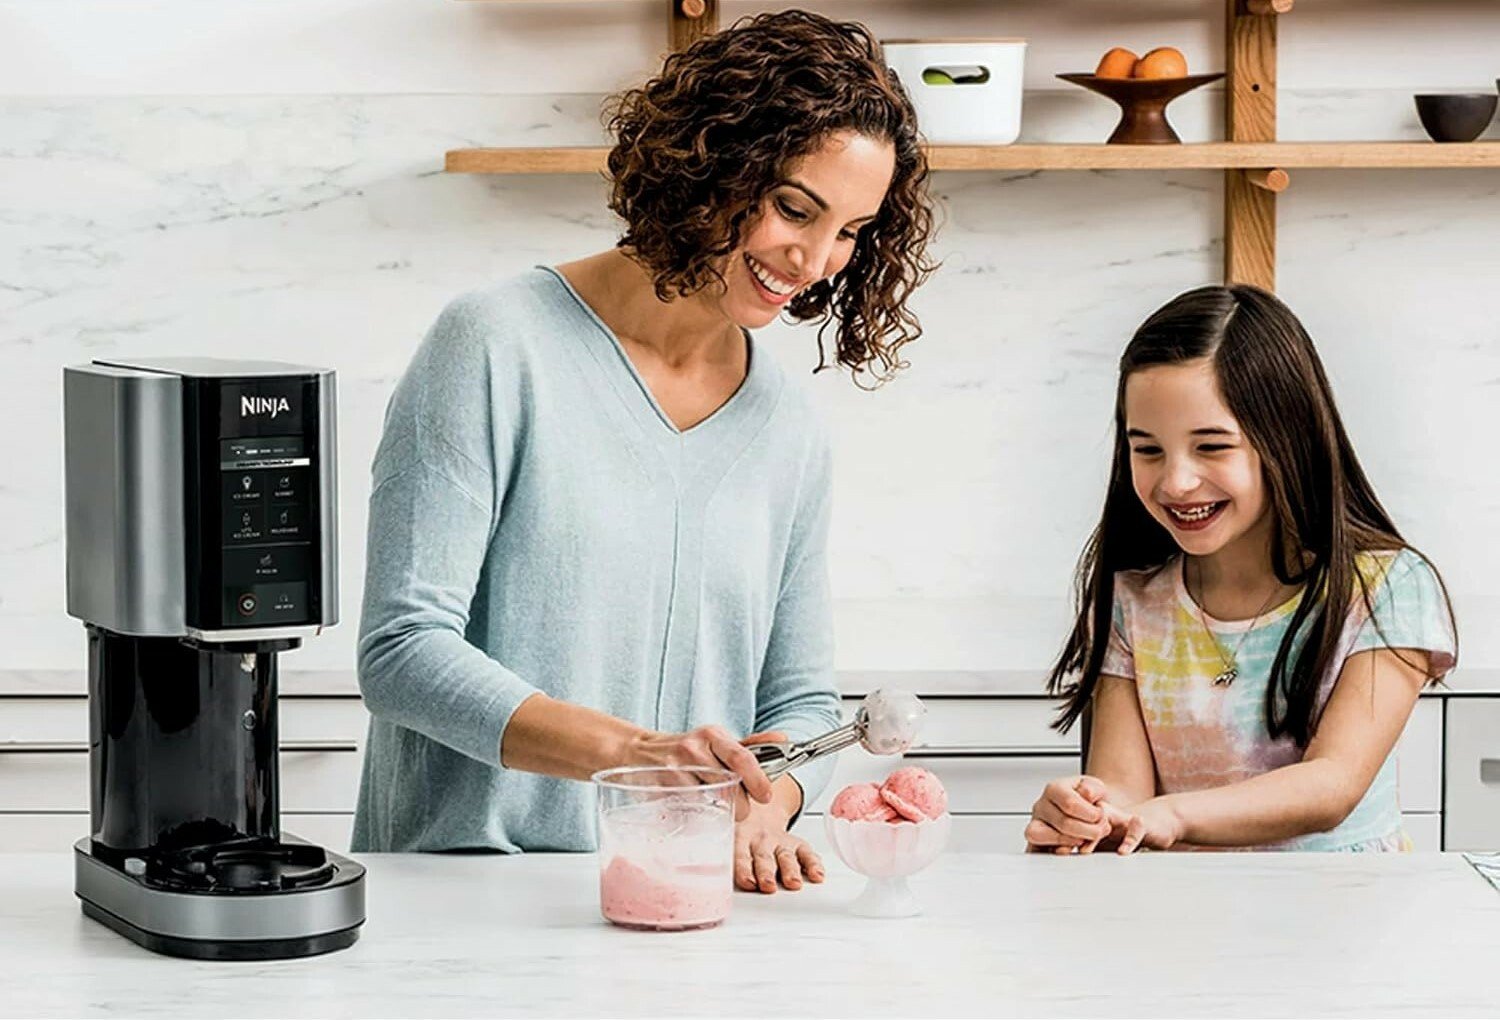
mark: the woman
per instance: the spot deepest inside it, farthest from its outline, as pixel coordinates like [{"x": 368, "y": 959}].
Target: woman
[{"x": 599, "y": 516}]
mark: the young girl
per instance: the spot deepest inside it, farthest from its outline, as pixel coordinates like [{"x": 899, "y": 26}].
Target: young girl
[{"x": 1252, "y": 630}]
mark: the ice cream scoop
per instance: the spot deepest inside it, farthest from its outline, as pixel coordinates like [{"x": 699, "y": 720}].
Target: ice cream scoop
[
  {"x": 915, "y": 794},
  {"x": 886, "y": 722},
  {"x": 862, "y": 802}
]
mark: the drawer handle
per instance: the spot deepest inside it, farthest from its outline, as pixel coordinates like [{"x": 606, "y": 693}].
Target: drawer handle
[
  {"x": 1489, "y": 770},
  {"x": 318, "y": 746},
  {"x": 980, "y": 751},
  {"x": 81, "y": 747},
  {"x": 44, "y": 747}
]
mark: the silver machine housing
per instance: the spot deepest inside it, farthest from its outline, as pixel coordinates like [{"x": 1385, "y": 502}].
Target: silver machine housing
[
  {"x": 202, "y": 542},
  {"x": 124, "y": 452}
]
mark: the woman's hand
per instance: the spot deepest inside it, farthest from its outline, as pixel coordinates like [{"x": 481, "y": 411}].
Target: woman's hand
[
  {"x": 765, "y": 853},
  {"x": 1068, "y": 817},
  {"x": 712, "y": 746}
]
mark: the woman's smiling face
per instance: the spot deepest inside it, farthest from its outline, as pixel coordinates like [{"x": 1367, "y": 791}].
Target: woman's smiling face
[
  {"x": 805, "y": 228},
  {"x": 1192, "y": 466}
]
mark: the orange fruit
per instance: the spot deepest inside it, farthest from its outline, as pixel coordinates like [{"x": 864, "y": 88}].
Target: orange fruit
[
  {"x": 1162, "y": 62},
  {"x": 1117, "y": 63}
]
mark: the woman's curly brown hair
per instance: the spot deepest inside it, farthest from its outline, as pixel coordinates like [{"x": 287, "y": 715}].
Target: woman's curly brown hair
[{"x": 699, "y": 146}]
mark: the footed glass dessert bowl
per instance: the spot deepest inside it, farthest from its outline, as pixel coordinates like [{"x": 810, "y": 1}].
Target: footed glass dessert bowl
[{"x": 887, "y": 853}]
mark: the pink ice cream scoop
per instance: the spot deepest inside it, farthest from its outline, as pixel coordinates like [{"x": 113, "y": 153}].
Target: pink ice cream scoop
[
  {"x": 862, "y": 802},
  {"x": 915, "y": 794}
]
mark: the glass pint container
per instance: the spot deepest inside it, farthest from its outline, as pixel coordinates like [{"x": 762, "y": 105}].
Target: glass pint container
[{"x": 666, "y": 846}]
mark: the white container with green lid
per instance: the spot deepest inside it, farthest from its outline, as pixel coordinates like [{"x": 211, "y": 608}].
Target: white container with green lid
[{"x": 965, "y": 91}]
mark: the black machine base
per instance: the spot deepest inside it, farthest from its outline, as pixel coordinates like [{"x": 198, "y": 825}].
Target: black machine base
[
  {"x": 242, "y": 915},
  {"x": 211, "y": 949}
]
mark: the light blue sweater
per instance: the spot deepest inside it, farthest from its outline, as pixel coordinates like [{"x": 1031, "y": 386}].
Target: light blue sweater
[{"x": 538, "y": 524}]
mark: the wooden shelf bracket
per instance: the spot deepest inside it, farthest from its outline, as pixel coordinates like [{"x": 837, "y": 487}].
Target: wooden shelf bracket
[
  {"x": 1250, "y": 116},
  {"x": 1274, "y": 180},
  {"x": 690, "y": 20}
]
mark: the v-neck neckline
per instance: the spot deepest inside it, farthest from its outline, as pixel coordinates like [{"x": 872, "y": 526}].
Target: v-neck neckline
[{"x": 755, "y": 372}]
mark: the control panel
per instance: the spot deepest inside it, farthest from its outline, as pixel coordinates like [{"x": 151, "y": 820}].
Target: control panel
[{"x": 257, "y": 512}]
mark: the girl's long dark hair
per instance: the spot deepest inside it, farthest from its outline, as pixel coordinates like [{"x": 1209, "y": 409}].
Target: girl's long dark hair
[{"x": 1325, "y": 512}]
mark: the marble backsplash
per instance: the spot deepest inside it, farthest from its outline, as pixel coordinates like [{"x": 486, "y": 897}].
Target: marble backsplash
[{"x": 322, "y": 229}]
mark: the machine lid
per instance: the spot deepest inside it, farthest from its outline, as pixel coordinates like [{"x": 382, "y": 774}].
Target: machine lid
[{"x": 226, "y": 368}]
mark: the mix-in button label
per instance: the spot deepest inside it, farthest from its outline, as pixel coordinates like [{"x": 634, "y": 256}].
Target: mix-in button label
[{"x": 270, "y": 603}]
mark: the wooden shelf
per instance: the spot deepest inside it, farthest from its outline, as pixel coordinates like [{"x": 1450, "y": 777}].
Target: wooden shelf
[
  {"x": 580, "y": 160},
  {"x": 1218, "y": 156},
  {"x": 1192, "y": 156},
  {"x": 1254, "y": 165}
]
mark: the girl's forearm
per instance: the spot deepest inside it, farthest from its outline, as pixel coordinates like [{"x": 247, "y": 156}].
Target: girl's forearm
[
  {"x": 1123, "y": 795},
  {"x": 1309, "y": 796}
]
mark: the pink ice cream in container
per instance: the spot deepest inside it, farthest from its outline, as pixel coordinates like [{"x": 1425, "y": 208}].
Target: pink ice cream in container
[{"x": 666, "y": 835}]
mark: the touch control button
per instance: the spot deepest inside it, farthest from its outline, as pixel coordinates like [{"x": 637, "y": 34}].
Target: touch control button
[
  {"x": 247, "y": 568},
  {"x": 244, "y": 524},
  {"x": 247, "y": 604},
  {"x": 244, "y": 488},
  {"x": 286, "y": 522},
  {"x": 287, "y": 485}
]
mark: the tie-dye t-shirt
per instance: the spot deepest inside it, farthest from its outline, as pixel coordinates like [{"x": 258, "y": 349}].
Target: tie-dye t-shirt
[{"x": 1204, "y": 736}]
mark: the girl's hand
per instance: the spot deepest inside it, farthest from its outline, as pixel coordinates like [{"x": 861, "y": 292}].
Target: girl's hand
[
  {"x": 766, "y": 854},
  {"x": 1153, "y": 824},
  {"x": 1068, "y": 817}
]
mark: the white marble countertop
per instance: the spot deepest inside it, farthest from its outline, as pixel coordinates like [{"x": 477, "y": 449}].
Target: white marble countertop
[{"x": 1149, "y": 935}]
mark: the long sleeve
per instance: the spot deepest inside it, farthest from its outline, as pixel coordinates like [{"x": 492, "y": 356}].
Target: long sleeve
[
  {"x": 538, "y": 525},
  {"x": 437, "y": 482},
  {"x": 796, "y": 692}
]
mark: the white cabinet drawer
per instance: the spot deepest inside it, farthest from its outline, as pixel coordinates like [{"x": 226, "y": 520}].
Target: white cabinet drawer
[
  {"x": 971, "y": 834},
  {"x": 1006, "y": 834},
  {"x": 311, "y": 780},
  {"x": 41, "y": 833},
  {"x": 44, "y": 720},
  {"x": 980, "y": 834},
  {"x": 66, "y": 720},
  {"x": 994, "y": 755},
  {"x": 976, "y": 785},
  {"x": 1420, "y": 758},
  {"x": 1425, "y": 830},
  {"x": 1471, "y": 814},
  {"x": 327, "y": 830},
  {"x": 1009, "y": 724},
  {"x": 52, "y": 833},
  {"x": 320, "y": 738},
  {"x": 319, "y": 782}
]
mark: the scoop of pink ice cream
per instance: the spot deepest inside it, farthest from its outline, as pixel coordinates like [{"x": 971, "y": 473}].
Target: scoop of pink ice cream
[
  {"x": 915, "y": 794},
  {"x": 862, "y": 802}
]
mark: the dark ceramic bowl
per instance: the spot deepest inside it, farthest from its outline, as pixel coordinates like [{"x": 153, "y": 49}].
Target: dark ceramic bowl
[{"x": 1457, "y": 118}]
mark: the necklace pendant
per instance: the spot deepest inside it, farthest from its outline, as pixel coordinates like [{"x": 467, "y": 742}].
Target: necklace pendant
[{"x": 1227, "y": 677}]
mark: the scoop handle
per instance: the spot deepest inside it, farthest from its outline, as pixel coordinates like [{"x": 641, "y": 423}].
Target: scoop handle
[
  {"x": 779, "y": 759},
  {"x": 774, "y": 759}
]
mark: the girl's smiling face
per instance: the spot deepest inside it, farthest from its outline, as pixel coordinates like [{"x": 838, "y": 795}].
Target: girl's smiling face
[
  {"x": 1191, "y": 465},
  {"x": 805, "y": 229}
]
